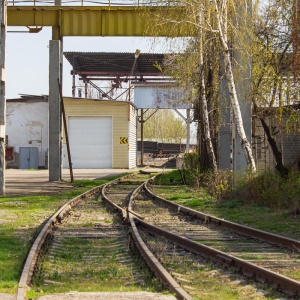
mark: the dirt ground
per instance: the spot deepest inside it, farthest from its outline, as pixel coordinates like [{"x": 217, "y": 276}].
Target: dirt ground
[{"x": 30, "y": 182}]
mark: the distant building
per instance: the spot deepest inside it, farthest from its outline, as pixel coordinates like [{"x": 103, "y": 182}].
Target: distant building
[
  {"x": 102, "y": 133},
  {"x": 27, "y": 132}
]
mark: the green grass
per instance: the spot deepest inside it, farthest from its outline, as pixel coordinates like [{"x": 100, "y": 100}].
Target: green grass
[
  {"x": 73, "y": 270},
  {"x": 258, "y": 216},
  {"x": 174, "y": 176},
  {"x": 20, "y": 221}
]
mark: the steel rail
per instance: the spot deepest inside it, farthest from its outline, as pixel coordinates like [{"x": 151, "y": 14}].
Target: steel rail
[
  {"x": 242, "y": 229},
  {"x": 280, "y": 282},
  {"x": 33, "y": 255},
  {"x": 151, "y": 260},
  {"x": 156, "y": 267},
  {"x": 113, "y": 205}
]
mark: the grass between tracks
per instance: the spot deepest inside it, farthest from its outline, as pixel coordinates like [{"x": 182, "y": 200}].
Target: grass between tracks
[
  {"x": 279, "y": 221},
  {"x": 20, "y": 218},
  {"x": 20, "y": 222}
]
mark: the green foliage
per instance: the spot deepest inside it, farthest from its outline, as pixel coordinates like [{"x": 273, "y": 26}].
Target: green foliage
[
  {"x": 192, "y": 164},
  {"x": 173, "y": 177},
  {"x": 265, "y": 188},
  {"x": 163, "y": 126},
  {"x": 219, "y": 183}
]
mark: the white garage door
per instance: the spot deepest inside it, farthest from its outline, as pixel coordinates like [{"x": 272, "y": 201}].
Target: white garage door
[{"x": 90, "y": 141}]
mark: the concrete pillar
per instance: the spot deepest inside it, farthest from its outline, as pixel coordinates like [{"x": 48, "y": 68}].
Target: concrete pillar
[
  {"x": 55, "y": 66},
  {"x": 243, "y": 89},
  {"x": 3, "y": 21},
  {"x": 231, "y": 154},
  {"x": 225, "y": 139},
  {"x": 242, "y": 66}
]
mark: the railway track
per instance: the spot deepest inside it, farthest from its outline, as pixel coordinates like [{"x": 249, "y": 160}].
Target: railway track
[
  {"x": 85, "y": 246},
  {"x": 178, "y": 244},
  {"x": 266, "y": 257}
]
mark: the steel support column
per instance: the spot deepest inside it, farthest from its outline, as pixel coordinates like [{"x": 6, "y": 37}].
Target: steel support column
[
  {"x": 142, "y": 137},
  {"x": 3, "y": 21},
  {"x": 188, "y": 130}
]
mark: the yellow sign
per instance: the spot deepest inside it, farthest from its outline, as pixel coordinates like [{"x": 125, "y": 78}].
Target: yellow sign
[{"x": 123, "y": 140}]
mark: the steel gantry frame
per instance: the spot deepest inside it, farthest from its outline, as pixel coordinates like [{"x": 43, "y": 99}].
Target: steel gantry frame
[
  {"x": 72, "y": 21},
  {"x": 80, "y": 20},
  {"x": 109, "y": 20}
]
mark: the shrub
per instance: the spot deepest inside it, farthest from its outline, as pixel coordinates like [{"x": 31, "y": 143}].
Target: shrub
[
  {"x": 219, "y": 183},
  {"x": 265, "y": 188},
  {"x": 269, "y": 189},
  {"x": 192, "y": 163}
]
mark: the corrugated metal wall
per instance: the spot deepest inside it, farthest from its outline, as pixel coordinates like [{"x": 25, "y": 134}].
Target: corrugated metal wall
[
  {"x": 121, "y": 121},
  {"x": 261, "y": 148},
  {"x": 132, "y": 143},
  {"x": 287, "y": 141}
]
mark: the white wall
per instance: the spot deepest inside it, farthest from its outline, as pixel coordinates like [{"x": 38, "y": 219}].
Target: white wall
[{"x": 27, "y": 126}]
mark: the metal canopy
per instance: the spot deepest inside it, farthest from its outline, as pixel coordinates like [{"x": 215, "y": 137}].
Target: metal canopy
[{"x": 90, "y": 64}]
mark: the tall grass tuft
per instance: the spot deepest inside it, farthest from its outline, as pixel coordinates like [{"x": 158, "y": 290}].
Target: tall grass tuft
[{"x": 264, "y": 188}]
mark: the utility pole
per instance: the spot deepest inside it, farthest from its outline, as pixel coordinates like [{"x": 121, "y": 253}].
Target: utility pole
[{"x": 3, "y": 21}]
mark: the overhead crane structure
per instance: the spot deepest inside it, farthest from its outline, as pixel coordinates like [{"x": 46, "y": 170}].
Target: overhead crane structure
[
  {"x": 109, "y": 18},
  {"x": 98, "y": 18}
]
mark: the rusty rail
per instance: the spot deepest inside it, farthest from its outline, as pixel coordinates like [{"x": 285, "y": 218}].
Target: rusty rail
[
  {"x": 283, "y": 283},
  {"x": 33, "y": 255},
  {"x": 242, "y": 229},
  {"x": 150, "y": 259}
]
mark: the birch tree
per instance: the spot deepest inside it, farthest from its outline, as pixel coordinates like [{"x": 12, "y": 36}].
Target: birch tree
[
  {"x": 191, "y": 70},
  {"x": 202, "y": 93},
  {"x": 221, "y": 15},
  {"x": 217, "y": 24}
]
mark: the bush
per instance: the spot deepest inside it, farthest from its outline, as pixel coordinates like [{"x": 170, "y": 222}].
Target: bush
[
  {"x": 219, "y": 184},
  {"x": 269, "y": 189},
  {"x": 192, "y": 163},
  {"x": 265, "y": 188}
]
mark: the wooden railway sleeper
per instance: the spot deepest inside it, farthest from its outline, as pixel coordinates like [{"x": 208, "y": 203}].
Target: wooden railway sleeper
[{"x": 238, "y": 228}]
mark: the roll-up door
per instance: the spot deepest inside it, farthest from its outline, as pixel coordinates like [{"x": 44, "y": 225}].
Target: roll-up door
[{"x": 90, "y": 142}]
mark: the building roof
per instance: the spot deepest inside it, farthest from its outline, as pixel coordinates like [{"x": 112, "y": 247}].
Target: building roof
[
  {"x": 26, "y": 97},
  {"x": 114, "y": 64}
]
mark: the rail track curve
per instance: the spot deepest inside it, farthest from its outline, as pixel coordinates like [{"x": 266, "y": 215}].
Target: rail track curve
[{"x": 124, "y": 198}]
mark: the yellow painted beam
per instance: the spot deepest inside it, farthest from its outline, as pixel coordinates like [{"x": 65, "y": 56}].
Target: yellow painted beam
[{"x": 81, "y": 20}]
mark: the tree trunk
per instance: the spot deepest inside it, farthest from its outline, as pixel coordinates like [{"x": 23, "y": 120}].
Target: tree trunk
[
  {"x": 222, "y": 27},
  {"x": 203, "y": 99},
  {"x": 284, "y": 172}
]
